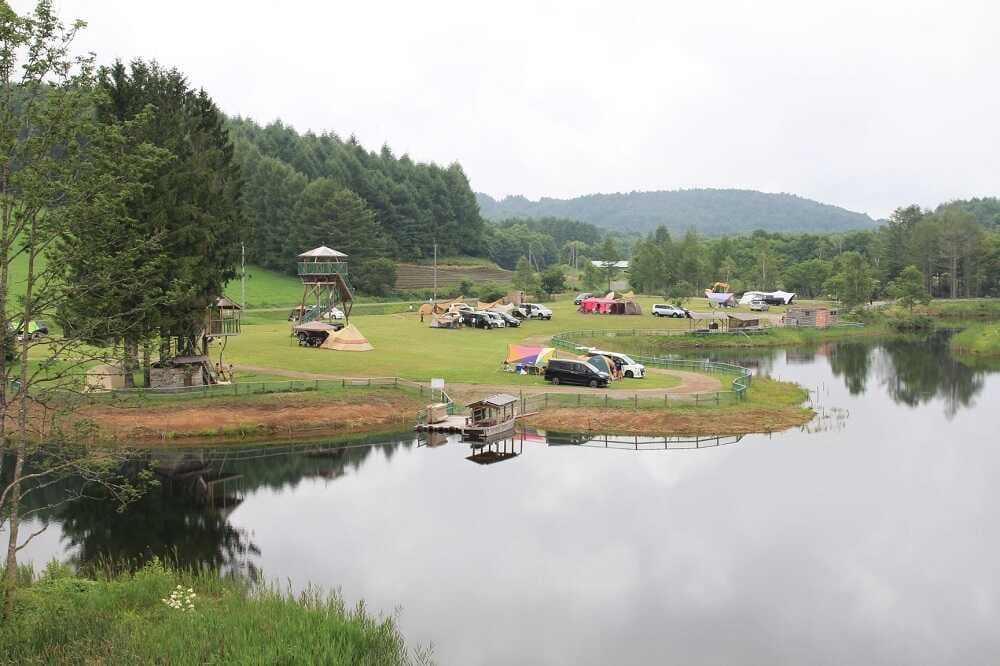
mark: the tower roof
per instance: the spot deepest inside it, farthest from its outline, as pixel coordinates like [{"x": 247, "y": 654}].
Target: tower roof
[{"x": 321, "y": 251}]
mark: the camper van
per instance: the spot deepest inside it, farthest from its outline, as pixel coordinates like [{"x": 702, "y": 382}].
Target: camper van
[{"x": 567, "y": 371}]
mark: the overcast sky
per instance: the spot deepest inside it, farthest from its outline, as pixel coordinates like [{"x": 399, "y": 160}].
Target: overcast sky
[{"x": 866, "y": 105}]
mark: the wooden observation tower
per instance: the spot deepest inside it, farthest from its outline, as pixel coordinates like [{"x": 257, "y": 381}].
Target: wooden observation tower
[{"x": 323, "y": 272}]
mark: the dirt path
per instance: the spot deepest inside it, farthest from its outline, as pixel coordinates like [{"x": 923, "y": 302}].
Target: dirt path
[{"x": 691, "y": 382}]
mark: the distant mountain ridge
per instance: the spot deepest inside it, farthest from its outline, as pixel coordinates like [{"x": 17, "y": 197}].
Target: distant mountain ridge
[{"x": 712, "y": 212}]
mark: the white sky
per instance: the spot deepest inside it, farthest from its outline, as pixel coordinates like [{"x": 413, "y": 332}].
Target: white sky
[{"x": 867, "y": 105}]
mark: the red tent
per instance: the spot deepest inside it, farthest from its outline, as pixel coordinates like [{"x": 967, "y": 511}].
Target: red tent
[{"x": 597, "y": 305}]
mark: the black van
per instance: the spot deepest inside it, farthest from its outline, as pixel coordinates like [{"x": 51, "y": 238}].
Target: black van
[{"x": 565, "y": 371}]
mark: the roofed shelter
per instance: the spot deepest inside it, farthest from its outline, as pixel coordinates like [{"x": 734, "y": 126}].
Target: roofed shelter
[{"x": 323, "y": 272}]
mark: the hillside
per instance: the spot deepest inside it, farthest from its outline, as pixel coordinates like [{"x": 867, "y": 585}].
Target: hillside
[{"x": 711, "y": 212}]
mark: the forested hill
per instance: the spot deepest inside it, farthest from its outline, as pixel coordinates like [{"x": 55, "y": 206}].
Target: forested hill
[
  {"x": 304, "y": 190},
  {"x": 711, "y": 212}
]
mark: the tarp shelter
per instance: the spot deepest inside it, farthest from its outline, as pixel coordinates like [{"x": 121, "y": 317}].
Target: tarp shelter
[
  {"x": 705, "y": 320},
  {"x": 738, "y": 321},
  {"x": 600, "y": 363},
  {"x": 528, "y": 355},
  {"x": 773, "y": 297},
  {"x": 348, "y": 338},
  {"x": 720, "y": 300},
  {"x": 446, "y": 321}
]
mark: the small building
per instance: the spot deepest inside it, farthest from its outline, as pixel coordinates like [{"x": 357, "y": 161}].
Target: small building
[
  {"x": 180, "y": 372},
  {"x": 222, "y": 318},
  {"x": 741, "y": 322},
  {"x": 104, "y": 378},
  {"x": 490, "y": 416},
  {"x": 817, "y": 316}
]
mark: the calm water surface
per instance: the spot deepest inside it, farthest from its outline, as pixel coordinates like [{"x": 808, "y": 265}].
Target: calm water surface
[{"x": 870, "y": 536}]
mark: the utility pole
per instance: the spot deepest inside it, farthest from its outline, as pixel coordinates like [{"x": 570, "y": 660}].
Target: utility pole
[
  {"x": 243, "y": 275},
  {"x": 435, "y": 297}
]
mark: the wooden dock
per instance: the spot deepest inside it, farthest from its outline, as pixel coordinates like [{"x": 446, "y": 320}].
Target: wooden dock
[{"x": 460, "y": 425}]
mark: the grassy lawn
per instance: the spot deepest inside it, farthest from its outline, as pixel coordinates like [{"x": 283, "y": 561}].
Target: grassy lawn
[{"x": 405, "y": 347}]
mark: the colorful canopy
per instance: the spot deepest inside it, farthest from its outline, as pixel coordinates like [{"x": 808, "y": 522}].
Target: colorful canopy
[{"x": 528, "y": 355}]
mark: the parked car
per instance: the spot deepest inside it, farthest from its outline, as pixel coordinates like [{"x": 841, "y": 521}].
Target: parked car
[
  {"x": 567, "y": 371},
  {"x": 495, "y": 317},
  {"x": 629, "y": 367},
  {"x": 580, "y": 298},
  {"x": 665, "y": 310},
  {"x": 759, "y": 305},
  {"x": 477, "y": 320},
  {"x": 535, "y": 311},
  {"x": 511, "y": 321}
]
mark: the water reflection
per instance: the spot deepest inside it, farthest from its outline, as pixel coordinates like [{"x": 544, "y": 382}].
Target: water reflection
[{"x": 186, "y": 515}]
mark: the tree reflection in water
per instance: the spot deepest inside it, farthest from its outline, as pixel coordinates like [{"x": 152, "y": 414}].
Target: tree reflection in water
[
  {"x": 185, "y": 518},
  {"x": 912, "y": 372}
]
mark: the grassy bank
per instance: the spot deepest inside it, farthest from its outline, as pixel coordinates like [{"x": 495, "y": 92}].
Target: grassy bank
[
  {"x": 770, "y": 406},
  {"x": 314, "y": 409},
  {"x": 773, "y": 337},
  {"x": 963, "y": 308},
  {"x": 123, "y": 619},
  {"x": 980, "y": 340}
]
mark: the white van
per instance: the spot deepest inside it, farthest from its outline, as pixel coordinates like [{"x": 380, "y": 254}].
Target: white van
[
  {"x": 535, "y": 311},
  {"x": 629, "y": 367}
]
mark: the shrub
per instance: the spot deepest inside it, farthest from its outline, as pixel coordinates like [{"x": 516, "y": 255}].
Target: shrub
[{"x": 911, "y": 324}]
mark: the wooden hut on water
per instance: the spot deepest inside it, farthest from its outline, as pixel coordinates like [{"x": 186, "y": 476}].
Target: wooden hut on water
[{"x": 490, "y": 416}]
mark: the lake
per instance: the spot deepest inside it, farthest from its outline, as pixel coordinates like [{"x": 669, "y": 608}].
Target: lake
[{"x": 868, "y": 536}]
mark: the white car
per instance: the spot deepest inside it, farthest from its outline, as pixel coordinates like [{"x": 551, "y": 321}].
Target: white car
[
  {"x": 333, "y": 313},
  {"x": 664, "y": 310},
  {"x": 629, "y": 367},
  {"x": 759, "y": 305},
  {"x": 535, "y": 311}
]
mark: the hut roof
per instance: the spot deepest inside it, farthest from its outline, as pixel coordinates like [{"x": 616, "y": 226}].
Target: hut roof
[
  {"x": 742, "y": 316},
  {"x": 224, "y": 303},
  {"x": 321, "y": 251},
  {"x": 496, "y": 400}
]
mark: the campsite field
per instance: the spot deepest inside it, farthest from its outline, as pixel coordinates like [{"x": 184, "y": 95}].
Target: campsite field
[{"x": 406, "y": 347}]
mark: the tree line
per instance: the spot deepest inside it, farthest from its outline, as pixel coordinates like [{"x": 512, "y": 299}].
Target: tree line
[
  {"x": 305, "y": 190},
  {"x": 955, "y": 248}
]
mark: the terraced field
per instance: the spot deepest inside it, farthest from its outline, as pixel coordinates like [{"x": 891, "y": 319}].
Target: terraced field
[{"x": 411, "y": 277}]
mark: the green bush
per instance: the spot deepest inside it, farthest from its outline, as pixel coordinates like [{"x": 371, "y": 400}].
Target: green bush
[{"x": 911, "y": 324}]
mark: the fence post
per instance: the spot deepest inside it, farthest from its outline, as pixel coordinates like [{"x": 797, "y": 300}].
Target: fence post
[
  {"x": 717, "y": 397},
  {"x": 635, "y": 401},
  {"x": 696, "y": 398}
]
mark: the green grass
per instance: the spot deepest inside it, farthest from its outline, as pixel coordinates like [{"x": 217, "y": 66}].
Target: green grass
[
  {"x": 963, "y": 308},
  {"x": 978, "y": 340},
  {"x": 652, "y": 345},
  {"x": 267, "y": 289},
  {"x": 405, "y": 347},
  {"x": 119, "y": 619}
]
